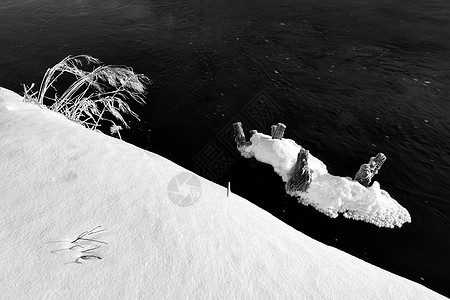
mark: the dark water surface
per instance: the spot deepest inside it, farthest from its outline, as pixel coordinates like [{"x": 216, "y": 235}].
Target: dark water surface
[{"x": 348, "y": 78}]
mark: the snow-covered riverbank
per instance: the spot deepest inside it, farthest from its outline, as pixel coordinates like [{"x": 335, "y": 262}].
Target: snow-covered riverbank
[{"x": 159, "y": 237}]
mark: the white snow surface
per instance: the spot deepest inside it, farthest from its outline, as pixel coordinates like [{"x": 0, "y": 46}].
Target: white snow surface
[
  {"x": 59, "y": 180},
  {"x": 328, "y": 193}
]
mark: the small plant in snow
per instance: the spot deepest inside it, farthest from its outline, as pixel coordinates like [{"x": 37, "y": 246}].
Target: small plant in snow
[{"x": 95, "y": 96}]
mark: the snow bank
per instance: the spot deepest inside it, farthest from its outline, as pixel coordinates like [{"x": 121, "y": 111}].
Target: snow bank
[
  {"x": 327, "y": 193},
  {"x": 60, "y": 181}
]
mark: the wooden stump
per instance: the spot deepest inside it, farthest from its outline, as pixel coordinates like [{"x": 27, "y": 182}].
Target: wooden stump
[
  {"x": 272, "y": 130},
  {"x": 278, "y": 131},
  {"x": 239, "y": 136},
  {"x": 367, "y": 171},
  {"x": 301, "y": 174}
]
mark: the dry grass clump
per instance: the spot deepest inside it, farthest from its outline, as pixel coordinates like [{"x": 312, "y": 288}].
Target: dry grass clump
[{"x": 95, "y": 96}]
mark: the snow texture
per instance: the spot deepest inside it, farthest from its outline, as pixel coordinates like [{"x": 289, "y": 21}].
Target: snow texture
[
  {"x": 84, "y": 215},
  {"x": 327, "y": 193}
]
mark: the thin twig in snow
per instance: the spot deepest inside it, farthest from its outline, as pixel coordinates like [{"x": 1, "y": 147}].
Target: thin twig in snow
[
  {"x": 87, "y": 250},
  {"x": 70, "y": 248},
  {"x": 81, "y": 237}
]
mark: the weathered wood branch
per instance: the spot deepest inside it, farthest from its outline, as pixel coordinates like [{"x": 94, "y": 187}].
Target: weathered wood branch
[{"x": 367, "y": 171}]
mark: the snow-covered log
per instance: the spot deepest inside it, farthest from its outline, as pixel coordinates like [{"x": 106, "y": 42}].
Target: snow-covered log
[{"x": 307, "y": 178}]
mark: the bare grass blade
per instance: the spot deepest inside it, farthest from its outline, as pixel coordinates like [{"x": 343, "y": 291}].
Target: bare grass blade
[{"x": 83, "y": 236}]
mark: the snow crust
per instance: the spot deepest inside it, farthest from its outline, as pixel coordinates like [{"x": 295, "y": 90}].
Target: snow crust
[
  {"x": 327, "y": 193},
  {"x": 59, "y": 180}
]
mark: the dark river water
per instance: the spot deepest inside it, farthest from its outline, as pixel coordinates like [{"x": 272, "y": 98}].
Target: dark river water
[{"x": 348, "y": 78}]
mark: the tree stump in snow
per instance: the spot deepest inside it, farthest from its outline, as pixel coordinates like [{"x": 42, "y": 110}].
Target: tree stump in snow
[
  {"x": 272, "y": 130},
  {"x": 301, "y": 174},
  {"x": 278, "y": 131},
  {"x": 239, "y": 136},
  {"x": 367, "y": 171}
]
